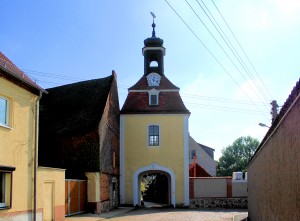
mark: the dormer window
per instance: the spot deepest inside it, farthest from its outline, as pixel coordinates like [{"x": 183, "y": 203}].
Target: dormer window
[{"x": 153, "y": 97}]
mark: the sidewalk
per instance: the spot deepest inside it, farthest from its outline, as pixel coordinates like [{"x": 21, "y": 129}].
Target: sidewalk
[
  {"x": 102, "y": 216},
  {"x": 240, "y": 217}
]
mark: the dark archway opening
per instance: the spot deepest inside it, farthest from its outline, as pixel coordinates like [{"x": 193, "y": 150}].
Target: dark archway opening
[{"x": 155, "y": 189}]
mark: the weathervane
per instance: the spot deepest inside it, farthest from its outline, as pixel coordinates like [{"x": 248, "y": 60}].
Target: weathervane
[{"x": 153, "y": 24}]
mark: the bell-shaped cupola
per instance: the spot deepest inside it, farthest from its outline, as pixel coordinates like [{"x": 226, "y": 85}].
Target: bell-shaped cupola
[{"x": 154, "y": 54}]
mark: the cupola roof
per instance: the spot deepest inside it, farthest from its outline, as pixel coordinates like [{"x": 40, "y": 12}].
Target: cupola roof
[{"x": 153, "y": 41}]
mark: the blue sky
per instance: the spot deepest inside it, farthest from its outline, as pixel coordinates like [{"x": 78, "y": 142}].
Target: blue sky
[{"x": 60, "y": 42}]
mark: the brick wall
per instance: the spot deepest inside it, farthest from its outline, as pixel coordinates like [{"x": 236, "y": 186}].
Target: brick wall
[{"x": 109, "y": 133}]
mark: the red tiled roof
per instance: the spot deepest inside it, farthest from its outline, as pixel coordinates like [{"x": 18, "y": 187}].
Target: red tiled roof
[
  {"x": 73, "y": 108},
  {"x": 10, "y": 68},
  {"x": 200, "y": 171},
  {"x": 165, "y": 83},
  {"x": 169, "y": 102}
]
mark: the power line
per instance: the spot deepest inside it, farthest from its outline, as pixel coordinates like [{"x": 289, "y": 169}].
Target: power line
[
  {"x": 231, "y": 47},
  {"x": 189, "y": 96},
  {"x": 265, "y": 87},
  {"x": 215, "y": 107},
  {"x": 225, "y": 100},
  {"x": 222, "y": 48},
  {"x": 40, "y": 73},
  {"x": 125, "y": 87},
  {"x": 215, "y": 58}
]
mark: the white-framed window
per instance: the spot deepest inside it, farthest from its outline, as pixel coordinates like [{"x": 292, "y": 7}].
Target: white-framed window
[
  {"x": 6, "y": 187},
  {"x": 4, "y": 111},
  {"x": 153, "y": 97},
  {"x": 153, "y": 135}
]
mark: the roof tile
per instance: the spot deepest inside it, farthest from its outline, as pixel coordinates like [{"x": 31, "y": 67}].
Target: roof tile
[
  {"x": 165, "y": 84},
  {"x": 15, "y": 72},
  {"x": 74, "y": 108},
  {"x": 169, "y": 102}
]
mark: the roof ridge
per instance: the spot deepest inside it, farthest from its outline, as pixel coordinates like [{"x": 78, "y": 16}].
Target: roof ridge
[
  {"x": 80, "y": 82},
  {"x": 7, "y": 60},
  {"x": 290, "y": 100}
]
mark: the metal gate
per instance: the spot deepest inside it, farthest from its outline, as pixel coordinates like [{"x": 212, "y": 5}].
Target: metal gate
[{"x": 75, "y": 196}]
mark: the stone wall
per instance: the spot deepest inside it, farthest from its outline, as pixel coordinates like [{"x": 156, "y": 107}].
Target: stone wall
[
  {"x": 218, "y": 192},
  {"x": 232, "y": 203}
]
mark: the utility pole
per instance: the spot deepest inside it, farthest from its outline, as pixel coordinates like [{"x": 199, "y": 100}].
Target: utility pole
[{"x": 274, "y": 110}]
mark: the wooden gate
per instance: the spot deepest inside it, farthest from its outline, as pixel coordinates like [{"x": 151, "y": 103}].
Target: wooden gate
[{"x": 75, "y": 196}]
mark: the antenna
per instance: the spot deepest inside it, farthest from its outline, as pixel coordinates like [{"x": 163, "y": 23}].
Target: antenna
[{"x": 153, "y": 24}]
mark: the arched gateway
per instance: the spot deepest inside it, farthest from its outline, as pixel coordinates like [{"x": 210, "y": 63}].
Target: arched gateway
[{"x": 153, "y": 168}]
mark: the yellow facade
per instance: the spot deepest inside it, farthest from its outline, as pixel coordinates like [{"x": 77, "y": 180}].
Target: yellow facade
[
  {"x": 17, "y": 146},
  {"x": 170, "y": 154},
  {"x": 50, "y": 194}
]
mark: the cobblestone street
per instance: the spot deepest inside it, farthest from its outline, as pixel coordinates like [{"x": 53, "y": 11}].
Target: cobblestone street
[{"x": 165, "y": 214}]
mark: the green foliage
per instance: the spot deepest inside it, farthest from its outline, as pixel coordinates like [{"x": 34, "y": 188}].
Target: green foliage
[
  {"x": 146, "y": 181},
  {"x": 156, "y": 188},
  {"x": 235, "y": 157}
]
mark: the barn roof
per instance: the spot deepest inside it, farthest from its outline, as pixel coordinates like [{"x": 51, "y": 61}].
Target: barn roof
[{"x": 74, "y": 108}]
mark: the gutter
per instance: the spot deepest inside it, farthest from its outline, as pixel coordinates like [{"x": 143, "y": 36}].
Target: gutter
[
  {"x": 22, "y": 79},
  {"x": 35, "y": 154}
]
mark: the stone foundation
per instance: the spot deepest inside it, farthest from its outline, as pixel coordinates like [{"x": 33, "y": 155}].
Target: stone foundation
[
  {"x": 105, "y": 206},
  {"x": 230, "y": 203}
]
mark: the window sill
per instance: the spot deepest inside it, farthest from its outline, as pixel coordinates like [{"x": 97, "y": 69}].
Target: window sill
[
  {"x": 5, "y": 126},
  {"x": 5, "y": 207}
]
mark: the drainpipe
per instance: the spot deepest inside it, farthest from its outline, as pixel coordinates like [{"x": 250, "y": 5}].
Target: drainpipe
[{"x": 35, "y": 154}]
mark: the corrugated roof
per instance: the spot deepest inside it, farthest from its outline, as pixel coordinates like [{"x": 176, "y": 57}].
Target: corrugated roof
[
  {"x": 74, "y": 108},
  {"x": 11, "y": 69}
]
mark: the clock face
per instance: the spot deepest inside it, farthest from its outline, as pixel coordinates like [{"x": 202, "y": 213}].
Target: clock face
[{"x": 153, "y": 79}]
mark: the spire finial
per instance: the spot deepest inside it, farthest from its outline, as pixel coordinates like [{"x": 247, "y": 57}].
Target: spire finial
[{"x": 153, "y": 24}]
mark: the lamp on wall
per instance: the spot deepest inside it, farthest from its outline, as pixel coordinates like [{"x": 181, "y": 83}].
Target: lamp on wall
[{"x": 263, "y": 125}]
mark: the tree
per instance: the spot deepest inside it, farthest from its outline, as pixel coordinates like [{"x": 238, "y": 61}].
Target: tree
[{"x": 235, "y": 157}]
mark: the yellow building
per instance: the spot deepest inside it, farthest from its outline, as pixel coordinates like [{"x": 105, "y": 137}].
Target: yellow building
[
  {"x": 154, "y": 137},
  {"x": 26, "y": 192}
]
